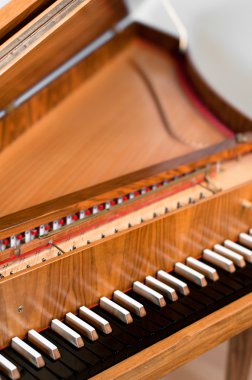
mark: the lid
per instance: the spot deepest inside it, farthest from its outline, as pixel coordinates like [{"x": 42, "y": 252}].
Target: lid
[
  {"x": 15, "y": 14},
  {"x": 52, "y": 37}
]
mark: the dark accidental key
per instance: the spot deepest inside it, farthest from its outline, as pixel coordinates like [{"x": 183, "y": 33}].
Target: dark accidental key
[
  {"x": 80, "y": 368},
  {"x": 23, "y": 373},
  {"x": 228, "y": 279},
  {"x": 57, "y": 367},
  {"x": 173, "y": 311},
  {"x": 121, "y": 334},
  {"x": 191, "y": 303},
  {"x": 104, "y": 353},
  {"x": 196, "y": 292},
  {"x": 131, "y": 329},
  {"x": 247, "y": 270},
  {"x": 113, "y": 344},
  {"x": 91, "y": 361},
  {"x": 150, "y": 315},
  {"x": 152, "y": 311},
  {"x": 243, "y": 278},
  {"x": 211, "y": 292},
  {"x": 225, "y": 290},
  {"x": 141, "y": 328},
  {"x": 39, "y": 373}
]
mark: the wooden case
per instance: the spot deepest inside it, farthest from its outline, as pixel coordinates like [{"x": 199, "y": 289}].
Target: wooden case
[{"x": 120, "y": 118}]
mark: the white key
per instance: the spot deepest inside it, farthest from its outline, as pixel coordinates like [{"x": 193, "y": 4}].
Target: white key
[
  {"x": 180, "y": 286},
  {"x": 81, "y": 326},
  {"x": 235, "y": 257},
  {"x": 67, "y": 333},
  {"x": 245, "y": 239},
  {"x": 95, "y": 319},
  {"x": 8, "y": 368},
  {"x": 190, "y": 274},
  {"x": 27, "y": 352},
  {"x": 245, "y": 252},
  {"x": 116, "y": 310},
  {"x": 129, "y": 303},
  {"x": 149, "y": 294},
  {"x": 44, "y": 344},
  {"x": 161, "y": 287},
  {"x": 218, "y": 260},
  {"x": 205, "y": 269}
]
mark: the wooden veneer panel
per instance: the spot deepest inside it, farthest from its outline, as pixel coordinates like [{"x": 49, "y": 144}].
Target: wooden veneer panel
[
  {"x": 109, "y": 127},
  {"x": 81, "y": 25},
  {"x": 80, "y": 277}
]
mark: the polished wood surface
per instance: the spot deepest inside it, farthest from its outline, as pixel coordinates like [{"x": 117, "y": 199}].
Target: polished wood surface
[
  {"x": 16, "y": 13},
  {"x": 240, "y": 356},
  {"x": 62, "y": 153},
  {"x": 232, "y": 174},
  {"x": 63, "y": 34},
  {"x": 19, "y": 119},
  {"x": 83, "y": 199},
  {"x": 84, "y": 275},
  {"x": 185, "y": 345}
]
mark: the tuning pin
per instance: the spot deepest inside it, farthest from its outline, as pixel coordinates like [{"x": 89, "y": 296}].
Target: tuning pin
[{"x": 202, "y": 196}]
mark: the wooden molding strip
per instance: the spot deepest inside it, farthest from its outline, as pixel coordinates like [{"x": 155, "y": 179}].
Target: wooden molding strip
[{"x": 185, "y": 345}]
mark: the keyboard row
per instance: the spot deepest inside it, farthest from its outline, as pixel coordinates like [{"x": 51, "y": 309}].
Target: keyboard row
[{"x": 117, "y": 328}]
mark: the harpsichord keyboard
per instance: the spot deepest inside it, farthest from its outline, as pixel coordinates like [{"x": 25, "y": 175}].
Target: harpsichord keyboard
[{"x": 95, "y": 339}]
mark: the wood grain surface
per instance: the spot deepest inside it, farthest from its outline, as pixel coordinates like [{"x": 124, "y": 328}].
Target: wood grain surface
[
  {"x": 109, "y": 127},
  {"x": 64, "y": 36},
  {"x": 187, "y": 344},
  {"x": 23, "y": 117},
  {"x": 66, "y": 205},
  {"x": 124, "y": 217},
  {"x": 52, "y": 288},
  {"x": 17, "y": 13},
  {"x": 240, "y": 356}
]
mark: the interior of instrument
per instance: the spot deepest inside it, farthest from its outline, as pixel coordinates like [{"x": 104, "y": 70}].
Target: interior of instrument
[
  {"x": 137, "y": 110},
  {"x": 232, "y": 174}
]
